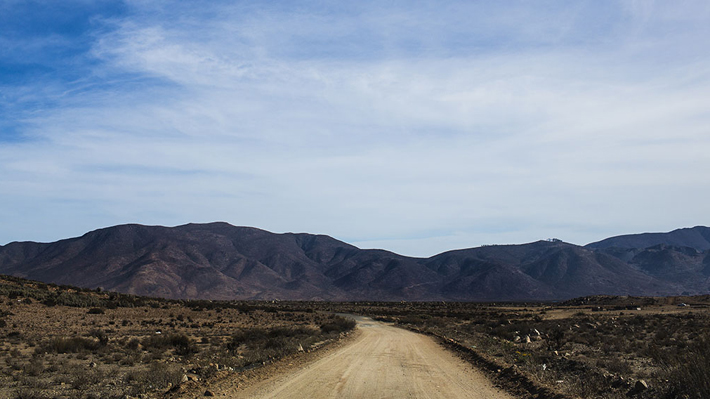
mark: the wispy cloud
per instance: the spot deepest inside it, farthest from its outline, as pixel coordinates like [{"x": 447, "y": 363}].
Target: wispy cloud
[{"x": 414, "y": 127}]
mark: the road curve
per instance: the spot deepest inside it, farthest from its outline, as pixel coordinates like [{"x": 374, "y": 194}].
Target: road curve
[{"x": 381, "y": 362}]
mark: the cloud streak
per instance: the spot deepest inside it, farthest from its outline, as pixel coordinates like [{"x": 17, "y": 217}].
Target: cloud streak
[{"x": 413, "y": 128}]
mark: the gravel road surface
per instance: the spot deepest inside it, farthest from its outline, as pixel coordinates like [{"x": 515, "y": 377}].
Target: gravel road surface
[{"x": 381, "y": 362}]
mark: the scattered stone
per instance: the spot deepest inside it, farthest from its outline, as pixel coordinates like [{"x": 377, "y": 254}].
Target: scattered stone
[
  {"x": 184, "y": 379},
  {"x": 516, "y": 338},
  {"x": 639, "y": 387},
  {"x": 208, "y": 393},
  {"x": 92, "y": 364},
  {"x": 527, "y": 339}
]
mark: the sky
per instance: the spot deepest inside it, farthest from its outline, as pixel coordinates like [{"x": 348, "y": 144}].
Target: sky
[{"x": 412, "y": 126}]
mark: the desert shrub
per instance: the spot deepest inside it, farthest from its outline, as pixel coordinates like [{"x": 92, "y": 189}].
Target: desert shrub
[
  {"x": 133, "y": 344},
  {"x": 100, "y": 335},
  {"x": 82, "y": 378},
  {"x": 70, "y": 345},
  {"x": 96, "y": 311},
  {"x": 181, "y": 343},
  {"x": 245, "y": 337},
  {"x": 49, "y": 302},
  {"x": 34, "y": 368},
  {"x": 689, "y": 372},
  {"x": 263, "y": 343},
  {"x": 158, "y": 376},
  {"x": 338, "y": 325},
  {"x": 617, "y": 366},
  {"x": 411, "y": 319},
  {"x": 557, "y": 338},
  {"x": 26, "y": 393}
]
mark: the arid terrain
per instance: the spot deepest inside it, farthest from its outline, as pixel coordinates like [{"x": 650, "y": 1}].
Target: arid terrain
[
  {"x": 64, "y": 342},
  {"x": 67, "y": 343}
]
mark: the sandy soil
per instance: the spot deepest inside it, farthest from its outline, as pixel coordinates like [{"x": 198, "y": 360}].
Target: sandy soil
[{"x": 380, "y": 362}]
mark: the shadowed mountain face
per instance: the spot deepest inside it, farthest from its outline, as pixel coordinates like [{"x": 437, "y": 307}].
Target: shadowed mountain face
[
  {"x": 220, "y": 261},
  {"x": 680, "y": 258},
  {"x": 697, "y": 237}
]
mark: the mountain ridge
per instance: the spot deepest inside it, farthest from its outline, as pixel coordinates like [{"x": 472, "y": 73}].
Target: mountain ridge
[
  {"x": 697, "y": 237},
  {"x": 221, "y": 261}
]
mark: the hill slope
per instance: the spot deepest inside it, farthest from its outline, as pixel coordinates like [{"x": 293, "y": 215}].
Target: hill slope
[
  {"x": 221, "y": 261},
  {"x": 697, "y": 237}
]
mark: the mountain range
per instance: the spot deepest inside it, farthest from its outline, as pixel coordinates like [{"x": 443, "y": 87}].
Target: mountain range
[{"x": 221, "y": 261}]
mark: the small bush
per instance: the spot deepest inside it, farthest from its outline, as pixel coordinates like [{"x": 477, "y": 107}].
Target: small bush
[
  {"x": 34, "y": 368},
  {"x": 181, "y": 343},
  {"x": 70, "y": 345},
  {"x": 82, "y": 378},
  {"x": 338, "y": 325},
  {"x": 158, "y": 376},
  {"x": 133, "y": 344},
  {"x": 689, "y": 375},
  {"x": 100, "y": 335},
  {"x": 29, "y": 394},
  {"x": 96, "y": 311}
]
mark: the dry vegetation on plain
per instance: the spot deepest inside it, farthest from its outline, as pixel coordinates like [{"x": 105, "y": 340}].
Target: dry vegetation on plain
[
  {"x": 65, "y": 342},
  {"x": 61, "y": 342}
]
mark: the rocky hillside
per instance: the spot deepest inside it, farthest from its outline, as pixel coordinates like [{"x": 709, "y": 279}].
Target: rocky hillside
[{"x": 221, "y": 261}]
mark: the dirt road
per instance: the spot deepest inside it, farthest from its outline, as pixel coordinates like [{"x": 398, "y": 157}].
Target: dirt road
[{"x": 381, "y": 362}]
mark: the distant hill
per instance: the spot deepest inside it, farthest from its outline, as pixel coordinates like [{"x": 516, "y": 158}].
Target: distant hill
[
  {"x": 696, "y": 237},
  {"x": 221, "y": 261}
]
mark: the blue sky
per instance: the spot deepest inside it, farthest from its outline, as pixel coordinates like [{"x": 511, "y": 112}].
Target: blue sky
[{"x": 416, "y": 127}]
